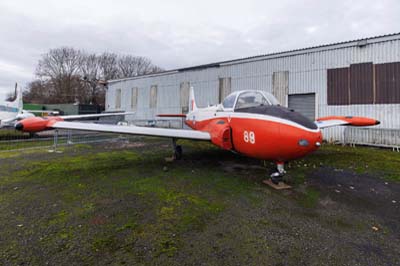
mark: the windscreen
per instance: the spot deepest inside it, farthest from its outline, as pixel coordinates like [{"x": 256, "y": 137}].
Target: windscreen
[
  {"x": 271, "y": 98},
  {"x": 251, "y": 99},
  {"x": 229, "y": 101}
]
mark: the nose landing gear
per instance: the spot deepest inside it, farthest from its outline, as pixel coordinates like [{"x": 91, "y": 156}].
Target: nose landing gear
[
  {"x": 277, "y": 176},
  {"x": 276, "y": 180}
]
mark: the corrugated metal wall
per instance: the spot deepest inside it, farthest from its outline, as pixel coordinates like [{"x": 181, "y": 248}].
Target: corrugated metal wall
[{"x": 308, "y": 73}]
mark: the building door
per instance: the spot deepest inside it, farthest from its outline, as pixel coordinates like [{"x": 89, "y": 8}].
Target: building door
[
  {"x": 304, "y": 104},
  {"x": 153, "y": 96},
  {"x": 224, "y": 88},
  {"x": 134, "y": 98},
  {"x": 118, "y": 99},
  {"x": 184, "y": 96},
  {"x": 280, "y": 86}
]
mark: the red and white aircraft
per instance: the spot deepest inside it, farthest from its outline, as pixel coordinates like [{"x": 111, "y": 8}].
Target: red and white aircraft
[{"x": 248, "y": 122}]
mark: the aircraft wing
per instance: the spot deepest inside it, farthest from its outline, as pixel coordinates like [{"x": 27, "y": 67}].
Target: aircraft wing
[
  {"x": 72, "y": 117},
  {"x": 134, "y": 130},
  {"x": 332, "y": 121}
]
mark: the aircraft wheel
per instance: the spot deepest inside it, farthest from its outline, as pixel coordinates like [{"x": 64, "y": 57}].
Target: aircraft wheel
[
  {"x": 276, "y": 178},
  {"x": 178, "y": 152},
  {"x": 278, "y": 174}
]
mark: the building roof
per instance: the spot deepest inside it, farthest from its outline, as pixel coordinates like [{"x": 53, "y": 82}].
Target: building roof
[{"x": 358, "y": 42}]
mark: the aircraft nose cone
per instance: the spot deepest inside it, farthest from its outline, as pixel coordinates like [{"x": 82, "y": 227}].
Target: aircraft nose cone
[{"x": 19, "y": 126}]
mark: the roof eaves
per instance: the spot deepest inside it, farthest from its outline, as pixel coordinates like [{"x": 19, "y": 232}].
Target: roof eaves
[
  {"x": 357, "y": 42},
  {"x": 162, "y": 73}
]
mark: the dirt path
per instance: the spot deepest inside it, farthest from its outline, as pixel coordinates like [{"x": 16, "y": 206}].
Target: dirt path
[{"x": 361, "y": 193}]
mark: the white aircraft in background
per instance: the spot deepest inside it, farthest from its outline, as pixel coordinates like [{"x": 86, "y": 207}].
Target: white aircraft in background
[{"x": 10, "y": 112}]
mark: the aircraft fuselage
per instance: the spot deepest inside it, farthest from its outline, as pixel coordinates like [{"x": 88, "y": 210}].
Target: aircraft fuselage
[{"x": 264, "y": 132}]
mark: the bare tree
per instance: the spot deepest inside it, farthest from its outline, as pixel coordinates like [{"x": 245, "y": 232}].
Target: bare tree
[
  {"x": 60, "y": 67},
  {"x": 67, "y": 75},
  {"x": 132, "y": 66},
  {"x": 108, "y": 66},
  {"x": 59, "y": 62},
  {"x": 90, "y": 68},
  {"x": 156, "y": 69},
  {"x": 37, "y": 92}
]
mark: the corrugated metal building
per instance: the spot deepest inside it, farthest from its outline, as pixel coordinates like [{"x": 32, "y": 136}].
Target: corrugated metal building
[{"x": 360, "y": 78}]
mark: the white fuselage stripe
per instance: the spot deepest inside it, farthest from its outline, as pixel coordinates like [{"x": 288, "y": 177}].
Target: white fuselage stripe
[{"x": 202, "y": 115}]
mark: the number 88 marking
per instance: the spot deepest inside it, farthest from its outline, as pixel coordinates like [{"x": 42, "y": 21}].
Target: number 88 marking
[{"x": 249, "y": 136}]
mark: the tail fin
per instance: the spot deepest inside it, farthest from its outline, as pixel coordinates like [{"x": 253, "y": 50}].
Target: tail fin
[
  {"x": 192, "y": 101},
  {"x": 18, "y": 100}
]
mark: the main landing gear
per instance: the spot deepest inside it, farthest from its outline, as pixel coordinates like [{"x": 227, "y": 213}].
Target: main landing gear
[
  {"x": 276, "y": 180},
  {"x": 177, "y": 150}
]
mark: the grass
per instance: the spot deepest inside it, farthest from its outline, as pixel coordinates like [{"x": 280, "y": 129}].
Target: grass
[
  {"x": 310, "y": 198},
  {"x": 130, "y": 206},
  {"x": 361, "y": 160},
  {"x": 6, "y": 134},
  {"x": 83, "y": 182},
  {"x": 11, "y": 140}
]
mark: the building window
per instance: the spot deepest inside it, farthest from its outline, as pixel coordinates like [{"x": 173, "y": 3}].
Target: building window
[
  {"x": 184, "y": 96},
  {"x": 361, "y": 84},
  {"x": 338, "y": 86},
  {"x": 134, "y": 98},
  {"x": 364, "y": 83},
  {"x": 153, "y": 96},
  {"x": 224, "y": 88},
  {"x": 387, "y": 83},
  {"x": 118, "y": 99}
]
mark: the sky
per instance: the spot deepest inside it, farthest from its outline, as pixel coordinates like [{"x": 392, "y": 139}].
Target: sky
[{"x": 178, "y": 33}]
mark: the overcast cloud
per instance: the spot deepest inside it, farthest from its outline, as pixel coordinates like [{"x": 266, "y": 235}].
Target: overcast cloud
[{"x": 178, "y": 33}]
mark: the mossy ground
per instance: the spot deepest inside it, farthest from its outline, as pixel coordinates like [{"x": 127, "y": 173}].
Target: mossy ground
[{"x": 123, "y": 204}]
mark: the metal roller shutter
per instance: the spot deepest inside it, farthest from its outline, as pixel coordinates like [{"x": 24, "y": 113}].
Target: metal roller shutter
[{"x": 304, "y": 104}]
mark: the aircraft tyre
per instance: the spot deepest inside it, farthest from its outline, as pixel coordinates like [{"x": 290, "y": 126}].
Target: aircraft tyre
[
  {"x": 276, "y": 179},
  {"x": 178, "y": 152},
  {"x": 277, "y": 176}
]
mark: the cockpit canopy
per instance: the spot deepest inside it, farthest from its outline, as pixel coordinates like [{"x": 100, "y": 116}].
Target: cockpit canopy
[{"x": 245, "y": 99}]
